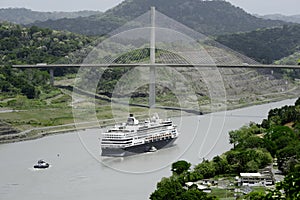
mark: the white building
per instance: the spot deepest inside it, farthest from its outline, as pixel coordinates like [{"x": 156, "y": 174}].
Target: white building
[{"x": 256, "y": 179}]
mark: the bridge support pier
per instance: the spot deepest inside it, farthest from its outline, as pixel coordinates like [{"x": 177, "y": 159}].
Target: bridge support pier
[
  {"x": 51, "y": 71},
  {"x": 152, "y": 95}
]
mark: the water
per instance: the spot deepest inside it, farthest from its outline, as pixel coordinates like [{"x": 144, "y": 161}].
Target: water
[{"x": 78, "y": 172}]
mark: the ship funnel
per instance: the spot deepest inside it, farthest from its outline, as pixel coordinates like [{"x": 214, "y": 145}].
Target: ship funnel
[{"x": 132, "y": 120}]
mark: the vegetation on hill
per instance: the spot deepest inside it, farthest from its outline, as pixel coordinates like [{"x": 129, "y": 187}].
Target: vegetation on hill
[
  {"x": 208, "y": 17},
  {"x": 27, "y": 16},
  {"x": 20, "y": 45},
  {"x": 291, "y": 18},
  {"x": 278, "y": 136},
  {"x": 29, "y": 83},
  {"x": 93, "y": 25},
  {"x": 265, "y": 45}
]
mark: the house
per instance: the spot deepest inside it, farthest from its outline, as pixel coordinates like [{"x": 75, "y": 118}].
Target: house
[
  {"x": 203, "y": 188},
  {"x": 256, "y": 179}
]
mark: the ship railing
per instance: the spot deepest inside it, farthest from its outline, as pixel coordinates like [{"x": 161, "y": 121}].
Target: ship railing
[
  {"x": 114, "y": 146},
  {"x": 116, "y": 142},
  {"x": 117, "y": 137},
  {"x": 151, "y": 132},
  {"x": 158, "y": 137}
]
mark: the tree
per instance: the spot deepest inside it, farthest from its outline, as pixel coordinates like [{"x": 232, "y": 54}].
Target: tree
[
  {"x": 238, "y": 137},
  {"x": 270, "y": 146},
  {"x": 5, "y": 86},
  {"x": 194, "y": 194},
  {"x": 253, "y": 142},
  {"x": 221, "y": 165},
  {"x": 206, "y": 169},
  {"x": 275, "y": 132},
  {"x": 248, "y": 159},
  {"x": 297, "y": 103},
  {"x": 252, "y": 166},
  {"x": 284, "y": 155},
  {"x": 262, "y": 157},
  {"x": 193, "y": 176},
  {"x": 29, "y": 91},
  {"x": 180, "y": 166},
  {"x": 167, "y": 189},
  {"x": 233, "y": 161},
  {"x": 255, "y": 196}
]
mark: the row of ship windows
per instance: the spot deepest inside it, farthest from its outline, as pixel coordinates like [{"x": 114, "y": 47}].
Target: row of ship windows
[
  {"x": 159, "y": 136},
  {"x": 115, "y": 142},
  {"x": 118, "y": 130},
  {"x": 152, "y": 128},
  {"x": 152, "y": 132},
  {"x": 108, "y": 139},
  {"x": 116, "y": 137},
  {"x": 112, "y": 136}
]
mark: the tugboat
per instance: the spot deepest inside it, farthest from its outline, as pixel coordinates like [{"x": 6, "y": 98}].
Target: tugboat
[{"x": 41, "y": 164}]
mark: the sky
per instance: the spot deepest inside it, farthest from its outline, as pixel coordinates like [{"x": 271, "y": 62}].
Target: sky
[{"x": 262, "y": 7}]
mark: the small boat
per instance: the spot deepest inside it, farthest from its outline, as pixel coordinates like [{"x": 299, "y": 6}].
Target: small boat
[
  {"x": 41, "y": 165},
  {"x": 152, "y": 149}
]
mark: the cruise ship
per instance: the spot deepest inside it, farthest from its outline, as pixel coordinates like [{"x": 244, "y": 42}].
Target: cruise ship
[{"x": 135, "y": 137}]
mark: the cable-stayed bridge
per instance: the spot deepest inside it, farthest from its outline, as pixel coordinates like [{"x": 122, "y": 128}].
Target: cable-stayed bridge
[{"x": 155, "y": 47}]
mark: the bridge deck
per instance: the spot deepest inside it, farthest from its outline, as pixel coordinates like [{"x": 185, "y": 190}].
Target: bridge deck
[{"x": 39, "y": 66}]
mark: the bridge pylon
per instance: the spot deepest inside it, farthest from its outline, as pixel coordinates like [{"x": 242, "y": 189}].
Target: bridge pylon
[{"x": 152, "y": 95}]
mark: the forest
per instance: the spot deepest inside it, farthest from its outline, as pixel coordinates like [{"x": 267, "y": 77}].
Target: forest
[
  {"x": 265, "y": 45},
  {"x": 21, "y": 45}
]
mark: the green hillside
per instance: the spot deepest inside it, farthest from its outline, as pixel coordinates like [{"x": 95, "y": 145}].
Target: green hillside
[
  {"x": 265, "y": 45},
  {"x": 27, "y": 16},
  {"x": 291, "y": 18},
  {"x": 20, "y": 45},
  {"x": 208, "y": 17}
]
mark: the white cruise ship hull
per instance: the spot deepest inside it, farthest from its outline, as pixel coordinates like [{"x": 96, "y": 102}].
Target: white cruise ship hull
[{"x": 137, "y": 149}]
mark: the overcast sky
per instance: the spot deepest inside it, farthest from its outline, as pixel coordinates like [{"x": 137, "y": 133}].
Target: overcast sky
[{"x": 287, "y": 7}]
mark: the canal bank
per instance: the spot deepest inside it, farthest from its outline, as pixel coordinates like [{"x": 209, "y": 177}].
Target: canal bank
[{"x": 39, "y": 132}]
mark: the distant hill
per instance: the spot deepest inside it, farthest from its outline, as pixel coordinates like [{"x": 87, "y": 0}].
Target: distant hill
[
  {"x": 209, "y": 17},
  {"x": 93, "y": 25},
  {"x": 291, "y": 18},
  {"x": 265, "y": 45},
  {"x": 27, "y": 16}
]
